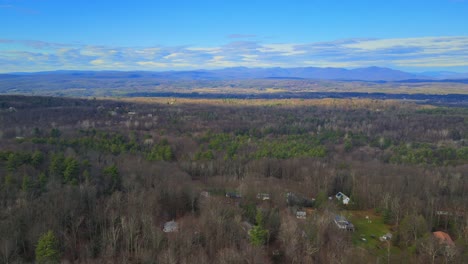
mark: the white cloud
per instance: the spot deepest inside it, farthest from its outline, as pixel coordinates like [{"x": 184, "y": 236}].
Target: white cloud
[
  {"x": 332, "y": 64},
  {"x": 428, "y": 52},
  {"x": 434, "y": 62},
  {"x": 173, "y": 55},
  {"x": 94, "y": 51},
  {"x": 427, "y": 43},
  {"x": 250, "y": 57},
  {"x": 152, "y": 64},
  {"x": 206, "y": 50},
  {"x": 283, "y": 49},
  {"x": 97, "y": 62}
]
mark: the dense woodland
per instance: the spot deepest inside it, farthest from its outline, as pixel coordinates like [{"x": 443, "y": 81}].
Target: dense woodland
[{"x": 94, "y": 180}]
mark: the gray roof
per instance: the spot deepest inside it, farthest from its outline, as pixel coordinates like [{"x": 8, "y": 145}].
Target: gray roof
[{"x": 170, "y": 226}]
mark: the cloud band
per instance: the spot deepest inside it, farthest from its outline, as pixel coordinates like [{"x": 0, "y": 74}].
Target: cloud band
[{"x": 429, "y": 52}]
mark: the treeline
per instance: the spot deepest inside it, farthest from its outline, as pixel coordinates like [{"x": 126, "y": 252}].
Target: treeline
[
  {"x": 428, "y": 154},
  {"x": 245, "y": 145},
  {"x": 30, "y": 172}
]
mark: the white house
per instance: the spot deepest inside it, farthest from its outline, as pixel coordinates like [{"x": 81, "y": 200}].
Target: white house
[
  {"x": 342, "y": 197},
  {"x": 301, "y": 215},
  {"x": 263, "y": 196}
]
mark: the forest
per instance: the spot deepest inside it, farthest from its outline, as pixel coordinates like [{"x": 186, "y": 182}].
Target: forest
[{"x": 192, "y": 180}]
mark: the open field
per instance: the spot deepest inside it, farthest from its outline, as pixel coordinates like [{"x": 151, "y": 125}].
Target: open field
[
  {"x": 369, "y": 226},
  {"x": 121, "y": 84}
]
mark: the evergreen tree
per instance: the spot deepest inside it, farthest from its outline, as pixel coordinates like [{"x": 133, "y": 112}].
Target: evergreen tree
[
  {"x": 55, "y": 133},
  {"x": 86, "y": 176},
  {"x": 8, "y": 180},
  {"x": 113, "y": 179},
  {"x": 36, "y": 132},
  {"x": 26, "y": 185},
  {"x": 37, "y": 158},
  {"x": 57, "y": 165},
  {"x": 12, "y": 162},
  {"x": 71, "y": 170},
  {"x": 47, "y": 249},
  {"x": 321, "y": 199},
  {"x": 42, "y": 180},
  {"x": 387, "y": 216},
  {"x": 258, "y": 234},
  {"x": 161, "y": 152}
]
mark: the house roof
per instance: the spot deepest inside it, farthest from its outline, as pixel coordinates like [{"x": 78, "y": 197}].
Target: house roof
[
  {"x": 233, "y": 195},
  {"x": 443, "y": 237},
  {"x": 340, "y": 218},
  {"x": 170, "y": 226},
  {"x": 340, "y": 195}
]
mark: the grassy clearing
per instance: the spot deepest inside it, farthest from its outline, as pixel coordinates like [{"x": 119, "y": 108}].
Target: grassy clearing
[
  {"x": 275, "y": 90},
  {"x": 369, "y": 229}
]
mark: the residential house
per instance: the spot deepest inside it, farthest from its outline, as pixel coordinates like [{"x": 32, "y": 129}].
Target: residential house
[
  {"x": 444, "y": 238},
  {"x": 343, "y": 223},
  {"x": 148, "y": 142},
  {"x": 342, "y": 197},
  {"x": 233, "y": 195},
  {"x": 449, "y": 212},
  {"x": 263, "y": 196},
  {"x": 301, "y": 215}
]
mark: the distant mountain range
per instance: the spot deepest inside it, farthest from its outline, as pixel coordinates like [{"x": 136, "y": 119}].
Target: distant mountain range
[
  {"x": 359, "y": 74},
  {"x": 365, "y": 74}
]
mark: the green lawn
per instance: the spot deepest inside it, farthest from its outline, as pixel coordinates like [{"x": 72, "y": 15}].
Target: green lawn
[{"x": 369, "y": 229}]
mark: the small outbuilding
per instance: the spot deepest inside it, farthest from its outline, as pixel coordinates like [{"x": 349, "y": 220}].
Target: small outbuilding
[
  {"x": 386, "y": 237},
  {"x": 171, "y": 226}
]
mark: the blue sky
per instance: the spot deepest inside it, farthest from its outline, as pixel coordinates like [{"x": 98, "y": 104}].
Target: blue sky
[{"x": 412, "y": 35}]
